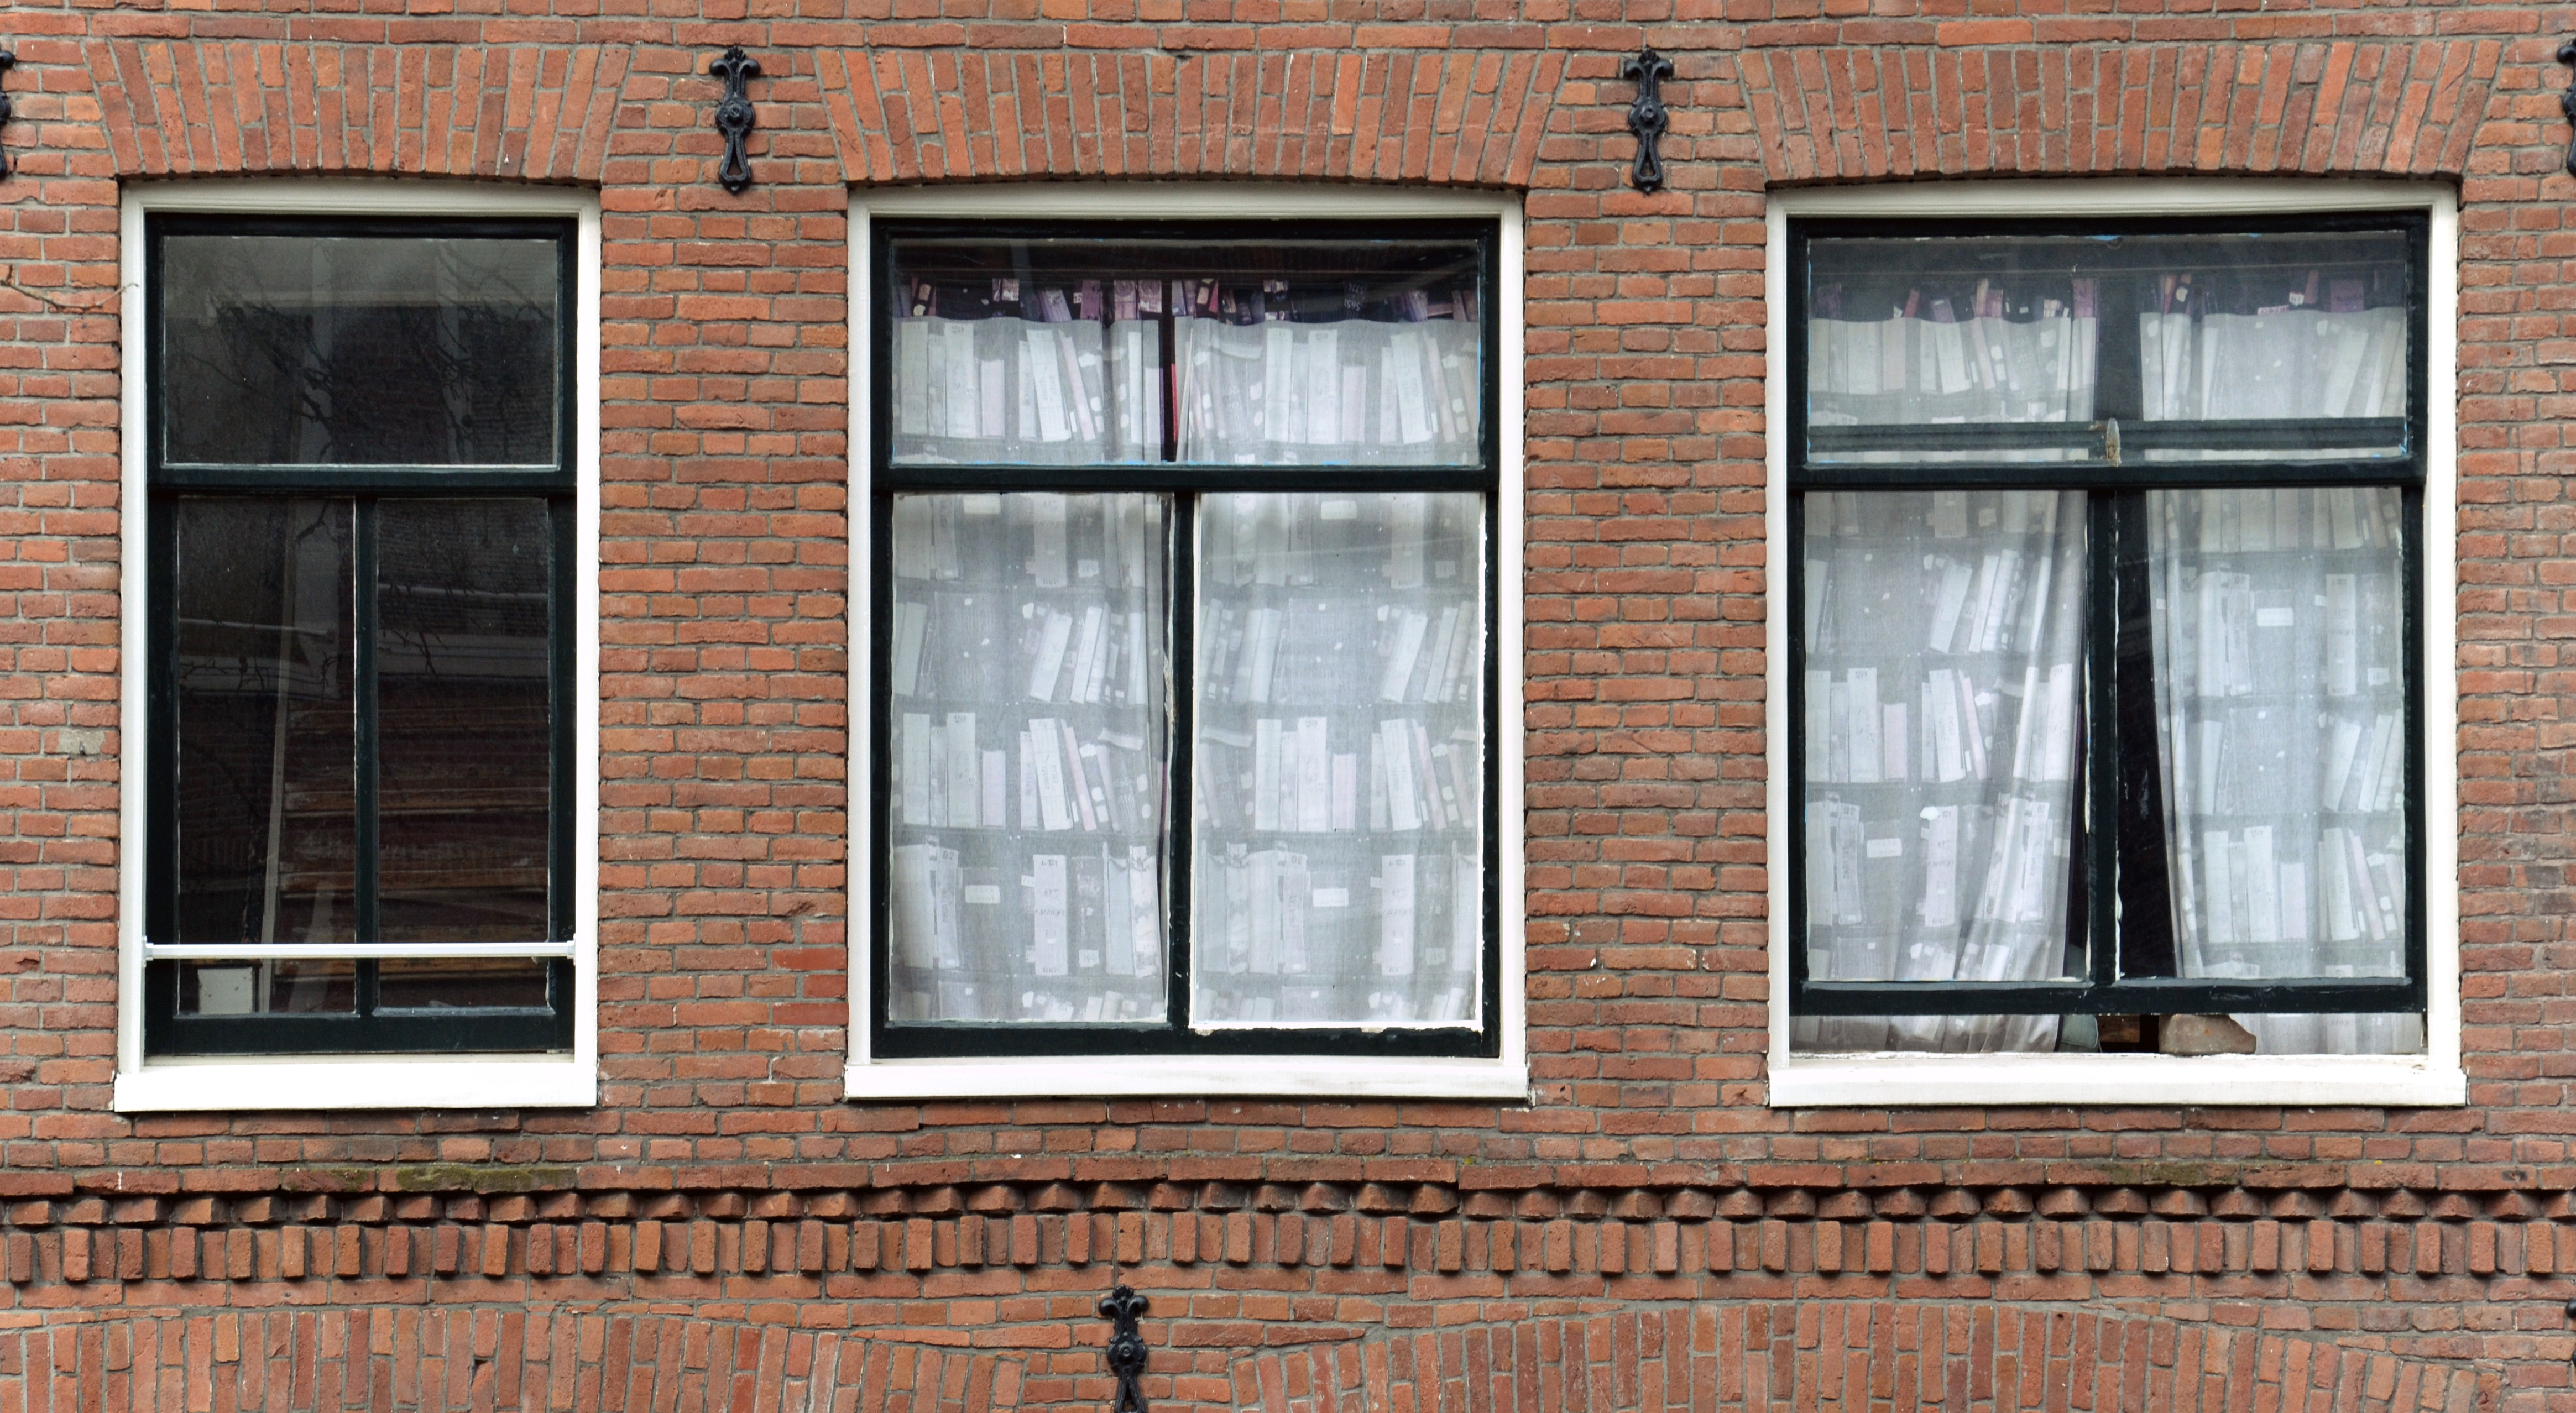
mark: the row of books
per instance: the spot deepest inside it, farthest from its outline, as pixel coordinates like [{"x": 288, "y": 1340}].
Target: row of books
[
  {"x": 1336, "y": 394},
  {"x": 971, "y": 937},
  {"x": 1291, "y": 913},
  {"x": 2223, "y": 638},
  {"x": 1236, "y": 301},
  {"x": 1300, "y": 539},
  {"x": 1855, "y": 737},
  {"x": 1285, "y": 777},
  {"x": 2251, "y": 761},
  {"x": 1013, "y": 390},
  {"x": 1040, "y": 776},
  {"x": 1933, "y": 366},
  {"x": 2282, "y": 361},
  {"x": 1945, "y": 515},
  {"x": 2013, "y": 851},
  {"x": 988, "y": 651},
  {"x": 2250, "y": 893},
  {"x": 2280, "y": 518},
  {"x": 1041, "y": 538},
  {"x": 1997, "y": 602},
  {"x": 1340, "y": 651}
]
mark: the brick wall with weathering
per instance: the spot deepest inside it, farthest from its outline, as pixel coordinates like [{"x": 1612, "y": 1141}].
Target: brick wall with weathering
[{"x": 2144, "y": 1257}]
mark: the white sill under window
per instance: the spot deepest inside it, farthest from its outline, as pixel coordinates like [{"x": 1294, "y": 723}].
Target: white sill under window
[
  {"x": 1155, "y": 1076},
  {"x": 252, "y": 1083},
  {"x": 1946, "y": 1081}
]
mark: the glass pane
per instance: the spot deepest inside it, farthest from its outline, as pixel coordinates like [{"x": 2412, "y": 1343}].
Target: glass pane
[
  {"x": 264, "y": 642},
  {"x": 358, "y": 350},
  {"x": 1295, "y": 352},
  {"x": 1030, "y": 743},
  {"x": 2281, "y": 729},
  {"x": 1943, "y": 637},
  {"x": 447, "y": 983},
  {"x": 2112, "y": 347},
  {"x": 1339, "y": 761},
  {"x": 464, "y": 719},
  {"x": 283, "y": 986}
]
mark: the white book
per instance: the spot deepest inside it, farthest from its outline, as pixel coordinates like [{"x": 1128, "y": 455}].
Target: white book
[
  {"x": 1405, "y": 512},
  {"x": 1948, "y": 755},
  {"x": 2292, "y": 897},
  {"x": 2343, "y": 922},
  {"x": 1041, "y": 371},
  {"x": 2032, "y": 856},
  {"x": 1144, "y": 912},
  {"x": 1078, "y": 784},
  {"x": 1050, "y": 953},
  {"x": 1046, "y": 541},
  {"x": 1866, "y": 751},
  {"x": 965, "y": 782},
  {"x": 1949, "y": 514},
  {"x": 1972, "y": 728},
  {"x": 1411, "y": 357},
  {"x": 1976, "y": 619},
  {"x": 2384, "y": 785},
  {"x": 1086, "y": 647},
  {"x": 1395, "y": 906},
  {"x": 1403, "y": 804},
  {"x": 2341, "y": 748},
  {"x": 1823, "y": 766},
  {"x": 911, "y": 627},
  {"x": 1324, "y": 388},
  {"x": 916, "y": 768},
  {"x": 994, "y": 403},
  {"x": 2057, "y": 744},
  {"x": 1047, "y": 663},
  {"x": 2262, "y": 885},
  {"x": 1139, "y": 678},
  {"x": 1893, "y": 742},
  {"x": 1030, "y": 816},
  {"x": 1262, "y": 958},
  {"x": 2388, "y": 890},
  {"x": 1045, "y": 750},
  {"x": 2377, "y": 915},
  {"x": 2343, "y": 635},
  {"x": 1314, "y": 776},
  {"x": 2219, "y": 905},
  {"x": 1435, "y": 681},
  {"x": 1118, "y": 929},
  {"x": 1940, "y": 906},
  {"x": 963, "y": 381},
  {"x": 996, "y": 789},
  {"x": 1346, "y": 793},
  {"x": 1837, "y": 743},
  {"x": 1260, "y": 654},
  {"x": 912, "y": 377},
  {"x": 1426, "y": 774},
  {"x": 1265, "y": 775},
  {"x": 2343, "y": 519},
  {"x": 1948, "y": 603},
  {"x": 1402, "y": 654}
]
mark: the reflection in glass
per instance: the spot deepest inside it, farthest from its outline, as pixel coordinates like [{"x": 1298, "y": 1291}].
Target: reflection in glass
[
  {"x": 449, "y": 983},
  {"x": 1288, "y": 353},
  {"x": 463, "y": 719},
  {"x": 359, "y": 350},
  {"x": 278, "y": 986},
  {"x": 264, "y": 643},
  {"x": 1029, "y": 747},
  {"x": 2282, "y": 736},
  {"x": 1342, "y": 660},
  {"x": 2108, "y": 347},
  {"x": 1944, "y": 637}
]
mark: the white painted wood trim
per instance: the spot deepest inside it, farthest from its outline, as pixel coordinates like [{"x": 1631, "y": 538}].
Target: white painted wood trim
[
  {"x": 371, "y": 1081},
  {"x": 2433, "y": 1078},
  {"x": 1505, "y": 1077}
]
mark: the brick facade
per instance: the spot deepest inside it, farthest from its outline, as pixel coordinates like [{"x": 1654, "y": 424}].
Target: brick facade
[{"x": 1647, "y": 1233}]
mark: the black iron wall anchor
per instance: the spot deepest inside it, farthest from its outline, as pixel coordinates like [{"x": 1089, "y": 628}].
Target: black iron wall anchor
[
  {"x": 1647, "y": 117},
  {"x": 1123, "y": 1307},
  {"x": 2566, "y": 101},
  {"x": 7, "y": 59},
  {"x": 734, "y": 116}
]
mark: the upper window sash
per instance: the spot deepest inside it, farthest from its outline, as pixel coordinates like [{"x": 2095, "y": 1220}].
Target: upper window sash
[
  {"x": 340, "y": 353},
  {"x": 2108, "y": 353}
]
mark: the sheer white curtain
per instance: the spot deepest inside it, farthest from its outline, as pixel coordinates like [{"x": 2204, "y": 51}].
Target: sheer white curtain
[
  {"x": 2281, "y": 732},
  {"x": 1943, "y": 687}
]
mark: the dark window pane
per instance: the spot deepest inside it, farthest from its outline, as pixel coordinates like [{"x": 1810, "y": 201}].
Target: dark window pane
[
  {"x": 464, "y": 719},
  {"x": 264, "y": 645},
  {"x": 454, "y": 982},
  {"x": 321, "y": 986},
  {"x": 358, "y": 350}
]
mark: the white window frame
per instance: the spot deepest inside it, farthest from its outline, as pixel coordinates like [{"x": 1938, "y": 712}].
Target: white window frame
[
  {"x": 1880, "y": 1080},
  {"x": 164, "y": 1083},
  {"x": 1503, "y": 1077}
]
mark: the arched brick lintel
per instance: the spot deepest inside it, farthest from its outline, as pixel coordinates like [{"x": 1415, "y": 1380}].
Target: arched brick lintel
[
  {"x": 211, "y": 107},
  {"x": 1333, "y": 115},
  {"x": 2407, "y": 107}
]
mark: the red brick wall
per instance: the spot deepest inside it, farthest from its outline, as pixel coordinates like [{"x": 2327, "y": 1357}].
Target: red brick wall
[{"x": 721, "y": 1172}]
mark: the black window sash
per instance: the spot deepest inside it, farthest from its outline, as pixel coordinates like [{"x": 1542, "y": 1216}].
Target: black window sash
[
  {"x": 2114, "y": 532},
  {"x": 367, "y": 1030},
  {"x": 1186, "y": 483}
]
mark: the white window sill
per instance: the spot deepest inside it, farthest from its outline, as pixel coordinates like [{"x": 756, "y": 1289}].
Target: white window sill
[
  {"x": 1949, "y": 1081},
  {"x": 1145, "y": 1076},
  {"x": 297, "y": 1082}
]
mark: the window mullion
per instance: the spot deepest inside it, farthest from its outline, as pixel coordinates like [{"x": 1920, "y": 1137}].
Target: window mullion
[
  {"x": 364, "y": 742},
  {"x": 1182, "y": 792},
  {"x": 2102, "y": 794}
]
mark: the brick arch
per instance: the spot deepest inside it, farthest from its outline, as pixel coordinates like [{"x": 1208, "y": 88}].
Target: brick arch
[
  {"x": 208, "y": 107},
  {"x": 1335, "y": 115},
  {"x": 2394, "y": 107},
  {"x": 1847, "y": 1356}
]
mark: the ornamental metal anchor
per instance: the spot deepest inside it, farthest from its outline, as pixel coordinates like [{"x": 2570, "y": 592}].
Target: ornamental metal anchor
[
  {"x": 734, "y": 116},
  {"x": 2566, "y": 105},
  {"x": 1123, "y": 1307},
  {"x": 1647, "y": 117}
]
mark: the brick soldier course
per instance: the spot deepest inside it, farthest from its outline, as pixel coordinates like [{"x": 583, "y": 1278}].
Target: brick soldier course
[{"x": 723, "y": 1230}]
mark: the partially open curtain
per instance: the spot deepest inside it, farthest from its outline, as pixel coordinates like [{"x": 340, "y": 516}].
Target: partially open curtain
[
  {"x": 1943, "y": 686},
  {"x": 2281, "y": 733}
]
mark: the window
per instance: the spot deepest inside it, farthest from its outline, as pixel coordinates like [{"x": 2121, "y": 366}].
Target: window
[
  {"x": 1185, "y": 612},
  {"x": 362, "y": 620},
  {"x": 2104, "y": 558}
]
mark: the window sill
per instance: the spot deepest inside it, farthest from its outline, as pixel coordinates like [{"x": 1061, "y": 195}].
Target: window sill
[
  {"x": 1298, "y": 1077},
  {"x": 1950, "y": 1081},
  {"x": 301, "y": 1082}
]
